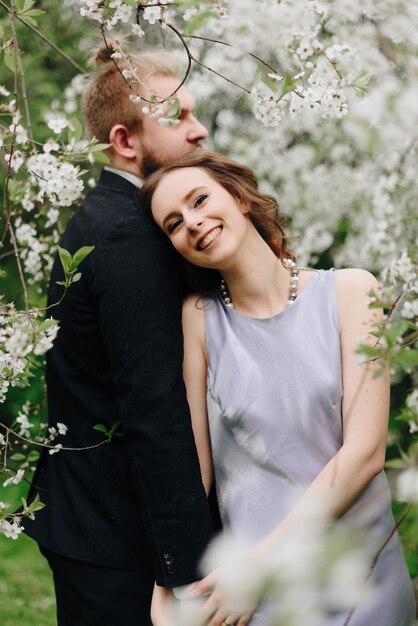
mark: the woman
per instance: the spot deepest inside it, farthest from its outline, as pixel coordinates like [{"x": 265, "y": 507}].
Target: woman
[{"x": 279, "y": 402}]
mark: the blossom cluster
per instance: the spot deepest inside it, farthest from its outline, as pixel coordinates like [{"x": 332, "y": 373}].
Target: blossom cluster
[{"x": 21, "y": 336}]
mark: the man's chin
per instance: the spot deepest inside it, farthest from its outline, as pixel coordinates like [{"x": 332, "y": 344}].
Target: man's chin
[{"x": 153, "y": 162}]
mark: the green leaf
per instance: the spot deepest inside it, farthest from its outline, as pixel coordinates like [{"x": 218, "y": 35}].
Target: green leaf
[
  {"x": 33, "y": 456},
  {"x": 405, "y": 358},
  {"x": 289, "y": 83},
  {"x": 100, "y": 428},
  {"x": 28, "y": 4},
  {"x": 380, "y": 304},
  {"x": 81, "y": 254},
  {"x": 369, "y": 350},
  {"x": 65, "y": 258},
  {"x": 75, "y": 278},
  {"x": 112, "y": 432},
  {"x": 36, "y": 505},
  {"x": 33, "y": 13},
  {"x": 270, "y": 83},
  {"x": 9, "y": 59},
  {"x": 196, "y": 22},
  {"x": 101, "y": 157},
  {"x": 174, "y": 109},
  {"x": 77, "y": 133},
  {"x": 18, "y": 456},
  {"x": 396, "y": 464},
  {"x": 99, "y": 146}
]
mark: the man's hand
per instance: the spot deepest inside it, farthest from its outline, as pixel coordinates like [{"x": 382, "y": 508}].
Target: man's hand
[{"x": 160, "y": 606}]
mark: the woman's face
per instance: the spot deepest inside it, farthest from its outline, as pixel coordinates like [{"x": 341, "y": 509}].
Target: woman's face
[{"x": 206, "y": 225}]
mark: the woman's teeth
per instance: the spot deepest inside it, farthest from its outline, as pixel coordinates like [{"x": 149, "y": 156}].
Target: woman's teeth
[{"x": 209, "y": 238}]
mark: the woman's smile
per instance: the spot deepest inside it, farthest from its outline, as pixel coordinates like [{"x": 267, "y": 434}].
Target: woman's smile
[{"x": 209, "y": 238}]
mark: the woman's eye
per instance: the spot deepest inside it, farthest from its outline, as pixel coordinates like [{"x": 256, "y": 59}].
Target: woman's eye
[
  {"x": 172, "y": 227},
  {"x": 199, "y": 201}
]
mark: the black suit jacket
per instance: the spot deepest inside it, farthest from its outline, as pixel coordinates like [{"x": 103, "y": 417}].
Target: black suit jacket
[{"x": 137, "y": 502}]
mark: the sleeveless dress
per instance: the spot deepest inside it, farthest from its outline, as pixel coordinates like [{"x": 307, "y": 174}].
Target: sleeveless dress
[{"x": 274, "y": 393}]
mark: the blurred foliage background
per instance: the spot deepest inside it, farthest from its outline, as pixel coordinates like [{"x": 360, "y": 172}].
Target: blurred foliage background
[{"x": 26, "y": 588}]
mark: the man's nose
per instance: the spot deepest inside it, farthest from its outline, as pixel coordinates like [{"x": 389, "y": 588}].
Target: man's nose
[{"x": 197, "y": 131}]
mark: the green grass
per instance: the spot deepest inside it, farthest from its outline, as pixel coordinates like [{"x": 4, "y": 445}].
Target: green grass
[{"x": 26, "y": 587}]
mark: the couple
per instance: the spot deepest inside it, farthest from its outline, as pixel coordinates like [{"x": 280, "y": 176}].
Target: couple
[{"x": 265, "y": 356}]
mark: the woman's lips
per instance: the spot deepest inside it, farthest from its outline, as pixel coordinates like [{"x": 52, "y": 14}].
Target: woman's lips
[{"x": 203, "y": 243}]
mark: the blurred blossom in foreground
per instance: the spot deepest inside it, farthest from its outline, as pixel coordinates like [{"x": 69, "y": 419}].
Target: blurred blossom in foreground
[{"x": 317, "y": 567}]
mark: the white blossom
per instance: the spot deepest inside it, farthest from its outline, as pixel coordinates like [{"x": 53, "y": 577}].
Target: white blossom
[
  {"x": 137, "y": 30},
  {"x": 56, "y": 449},
  {"x": 24, "y": 423},
  {"x": 407, "y": 485},
  {"x": 15, "y": 479},
  {"x": 19, "y": 132},
  {"x": 62, "y": 428},
  {"x": 189, "y": 14},
  {"x": 152, "y": 14},
  {"x": 57, "y": 124},
  {"x": 56, "y": 180},
  {"x": 11, "y": 529},
  {"x": 16, "y": 160},
  {"x": 266, "y": 107}
]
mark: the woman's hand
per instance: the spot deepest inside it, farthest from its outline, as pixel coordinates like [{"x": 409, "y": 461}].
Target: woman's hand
[
  {"x": 161, "y": 598},
  {"x": 216, "y": 610}
]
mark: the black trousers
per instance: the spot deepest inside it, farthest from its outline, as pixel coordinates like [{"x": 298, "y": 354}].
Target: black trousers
[{"x": 91, "y": 595}]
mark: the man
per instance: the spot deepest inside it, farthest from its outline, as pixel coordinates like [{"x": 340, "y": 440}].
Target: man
[{"x": 125, "y": 513}]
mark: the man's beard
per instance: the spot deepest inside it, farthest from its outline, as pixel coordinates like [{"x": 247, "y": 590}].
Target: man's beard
[{"x": 151, "y": 162}]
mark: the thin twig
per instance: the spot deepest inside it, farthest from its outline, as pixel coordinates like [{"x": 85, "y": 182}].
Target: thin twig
[
  {"x": 22, "y": 72},
  {"x": 52, "y": 447},
  {"x": 377, "y": 555},
  {"x": 44, "y": 38},
  {"x": 19, "y": 266},
  {"x": 225, "y": 43},
  {"x": 228, "y": 80}
]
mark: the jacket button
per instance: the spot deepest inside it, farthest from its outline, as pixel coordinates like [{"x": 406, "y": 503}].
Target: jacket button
[
  {"x": 170, "y": 560},
  {"x": 171, "y": 569},
  {"x": 167, "y": 553}
]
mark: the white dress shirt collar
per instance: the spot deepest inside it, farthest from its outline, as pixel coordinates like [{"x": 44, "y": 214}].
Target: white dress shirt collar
[{"x": 133, "y": 178}]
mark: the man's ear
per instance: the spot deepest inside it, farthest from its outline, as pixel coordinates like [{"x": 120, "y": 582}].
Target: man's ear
[{"x": 124, "y": 142}]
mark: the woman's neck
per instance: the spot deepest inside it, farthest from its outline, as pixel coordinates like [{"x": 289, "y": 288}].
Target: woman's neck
[{"x": 258, "y": 283}]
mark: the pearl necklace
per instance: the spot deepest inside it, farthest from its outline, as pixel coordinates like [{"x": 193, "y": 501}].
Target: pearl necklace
[{"x": 293, "y": 291}]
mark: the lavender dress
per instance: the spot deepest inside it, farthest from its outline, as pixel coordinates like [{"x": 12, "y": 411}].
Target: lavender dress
[{"x": 274, "y": 403}]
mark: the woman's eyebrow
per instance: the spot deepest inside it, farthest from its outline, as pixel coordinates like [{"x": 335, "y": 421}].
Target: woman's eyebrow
[{"x": 186, "y": 198}]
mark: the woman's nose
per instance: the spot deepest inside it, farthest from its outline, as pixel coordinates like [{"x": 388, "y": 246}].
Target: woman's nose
[{"x": 193, "y": 222}]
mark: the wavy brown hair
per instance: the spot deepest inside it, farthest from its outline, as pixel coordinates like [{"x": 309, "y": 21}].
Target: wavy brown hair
[{"x": 241, "y": 182}]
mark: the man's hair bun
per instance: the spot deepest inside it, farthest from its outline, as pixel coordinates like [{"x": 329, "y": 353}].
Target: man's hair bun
[{"x": 103, "y": 54}]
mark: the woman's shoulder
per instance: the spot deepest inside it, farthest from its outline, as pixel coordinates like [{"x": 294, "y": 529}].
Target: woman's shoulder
[
  {"x": 356, "y": 290},
  {"x": 193, "y": 313},
  {"x": 352, "y": 281}
]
